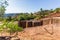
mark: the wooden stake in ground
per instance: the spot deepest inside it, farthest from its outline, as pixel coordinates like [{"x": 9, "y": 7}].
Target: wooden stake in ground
[{"x": 51, "y": 27}]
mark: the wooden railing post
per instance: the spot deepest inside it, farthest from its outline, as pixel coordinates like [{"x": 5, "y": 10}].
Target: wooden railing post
[
  {"x": 33, "y": 23},
  {"x": 26, "y": 24}
]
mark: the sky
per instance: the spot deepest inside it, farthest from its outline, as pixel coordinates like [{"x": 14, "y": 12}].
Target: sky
[{"x": 18, "y": 6}]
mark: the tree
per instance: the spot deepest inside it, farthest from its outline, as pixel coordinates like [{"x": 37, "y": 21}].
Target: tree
[
  {"x": 2, "y": 11},
  {"x": 42, "y": 13},
  {"x": 57, "y": 10},
  {"x": 51, "y": 11},
  {"x": 3, "y": 5}
]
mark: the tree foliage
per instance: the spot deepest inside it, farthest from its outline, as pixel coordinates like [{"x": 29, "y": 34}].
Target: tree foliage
[
  {"x": 26, "y": 16},
  {"x": 3, "y": 5},
  {"x": 2, "y": 10},
  {"x": 57, "y": 10},
  {"x": 36, "y": 15}
]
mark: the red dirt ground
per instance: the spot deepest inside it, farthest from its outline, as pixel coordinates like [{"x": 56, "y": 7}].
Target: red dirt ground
[{"x": 39, "y": 33}]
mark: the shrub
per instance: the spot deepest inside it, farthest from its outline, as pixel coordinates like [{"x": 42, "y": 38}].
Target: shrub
[{"x": 10, "y": 27}]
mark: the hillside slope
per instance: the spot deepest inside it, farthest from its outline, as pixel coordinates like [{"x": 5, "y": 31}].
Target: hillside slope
[{"x": 39, "y": 33}]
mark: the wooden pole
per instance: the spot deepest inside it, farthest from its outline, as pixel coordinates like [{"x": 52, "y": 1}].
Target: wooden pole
[
  {"x": 52, "y": 27},
  {"x": 33, "y": 23},
  {"x": 26, "y": 24},
  {"x": 43, "y": 22}
]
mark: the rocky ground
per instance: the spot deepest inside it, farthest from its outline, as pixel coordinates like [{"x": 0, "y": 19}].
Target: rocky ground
[{"x": 47, "y": 32}]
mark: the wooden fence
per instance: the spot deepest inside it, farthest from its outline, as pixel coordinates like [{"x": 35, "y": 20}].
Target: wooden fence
[{"x": 41, "y": 22}]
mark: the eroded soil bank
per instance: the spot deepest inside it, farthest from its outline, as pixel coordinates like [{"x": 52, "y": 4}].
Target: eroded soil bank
[{"x": 40, "y": 33}]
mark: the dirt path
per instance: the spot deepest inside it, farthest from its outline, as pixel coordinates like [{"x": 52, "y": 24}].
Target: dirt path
[{"x": 39, "y": 33}]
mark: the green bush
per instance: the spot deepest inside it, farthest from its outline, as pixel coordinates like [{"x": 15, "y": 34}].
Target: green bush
[
  {"x": 11, "y": 27},
  {"x": 1, "y": 19},
  {"x": 14, "y": 27}
]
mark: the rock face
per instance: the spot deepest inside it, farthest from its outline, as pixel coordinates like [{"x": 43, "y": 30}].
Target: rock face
[
  {"x": 8, "y": 38},
  {"x": 5, "y": 38},
  {"x": 39, "y": 33}
]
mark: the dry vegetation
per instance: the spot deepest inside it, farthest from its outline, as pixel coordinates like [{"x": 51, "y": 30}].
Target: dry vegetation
[{"x": 40, "y": 33}]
